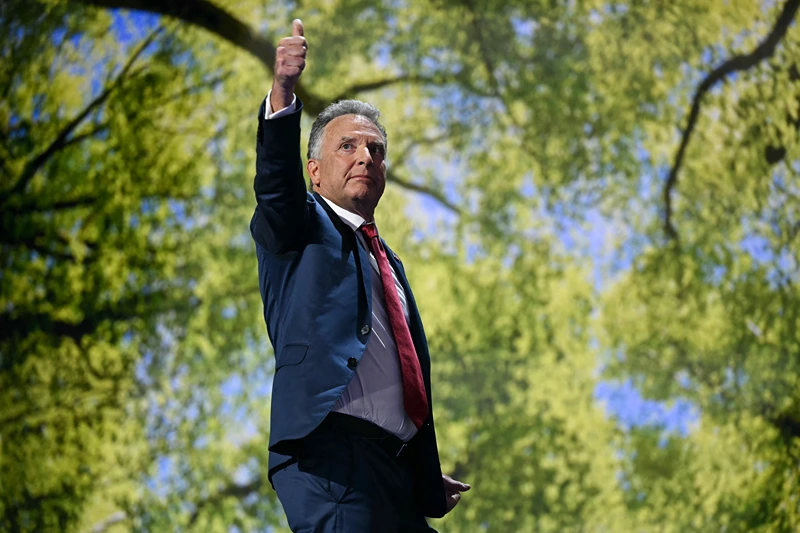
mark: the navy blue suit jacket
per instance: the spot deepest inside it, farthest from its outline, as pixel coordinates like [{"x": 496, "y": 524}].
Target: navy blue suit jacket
[{"x": 314, "y": 280}]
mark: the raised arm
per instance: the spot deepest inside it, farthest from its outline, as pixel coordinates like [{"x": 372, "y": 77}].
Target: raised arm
[{"x": 281, "y": 212}]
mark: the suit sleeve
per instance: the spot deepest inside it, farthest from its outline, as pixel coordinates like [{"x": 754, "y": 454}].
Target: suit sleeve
[{"x": 281, "y": 215}]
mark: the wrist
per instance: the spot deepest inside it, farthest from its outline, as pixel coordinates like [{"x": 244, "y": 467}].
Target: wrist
[{"x": 281, "y": 97}]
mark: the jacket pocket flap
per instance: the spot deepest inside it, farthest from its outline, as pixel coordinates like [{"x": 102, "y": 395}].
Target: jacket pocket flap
[{"x": 291, "y": 354}]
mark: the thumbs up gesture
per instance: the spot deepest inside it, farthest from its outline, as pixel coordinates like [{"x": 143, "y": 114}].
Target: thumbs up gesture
[{"x": 290, "y": 60}]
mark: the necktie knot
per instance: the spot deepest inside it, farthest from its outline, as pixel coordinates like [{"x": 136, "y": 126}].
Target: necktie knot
[{"x": 370, "y": 230}]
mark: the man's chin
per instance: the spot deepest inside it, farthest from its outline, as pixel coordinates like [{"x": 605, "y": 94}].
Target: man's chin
[
  {"x": 362, "y": 188},
  {"x": 365, "y": 203}
]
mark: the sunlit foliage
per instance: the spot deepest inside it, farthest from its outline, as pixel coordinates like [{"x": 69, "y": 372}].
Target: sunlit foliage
[{"x": 529, "y": 147}]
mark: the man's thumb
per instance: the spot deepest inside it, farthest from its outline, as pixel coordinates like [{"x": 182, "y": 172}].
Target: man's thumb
[{"x": 297, "y": 28}]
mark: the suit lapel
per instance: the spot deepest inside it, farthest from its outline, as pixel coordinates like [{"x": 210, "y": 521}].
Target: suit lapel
[
  {"x": 415, "y": 323},
  {"x": 360, "y": 255},
  {"x": 341, "y": 227}
]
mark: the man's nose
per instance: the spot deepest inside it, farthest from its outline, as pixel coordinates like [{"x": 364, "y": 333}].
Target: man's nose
[{"x": 364, "y": 156}]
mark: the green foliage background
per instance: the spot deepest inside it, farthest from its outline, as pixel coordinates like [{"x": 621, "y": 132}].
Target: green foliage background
[{"x": 530, "y": 144}]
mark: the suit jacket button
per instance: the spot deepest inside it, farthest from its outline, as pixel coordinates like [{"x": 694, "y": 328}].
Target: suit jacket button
[
  {"x": 365, "y": 329},
  {"x": 352, "y": 362}
]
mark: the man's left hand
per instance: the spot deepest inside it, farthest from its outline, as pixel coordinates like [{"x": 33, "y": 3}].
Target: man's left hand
[{"x": 453, "y": 490}]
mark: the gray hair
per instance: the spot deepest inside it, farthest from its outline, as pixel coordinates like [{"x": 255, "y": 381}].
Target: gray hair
[{"x": 338, "y": 109}]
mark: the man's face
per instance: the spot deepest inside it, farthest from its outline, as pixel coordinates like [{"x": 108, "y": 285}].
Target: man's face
[{"x": 351, "y": 169}]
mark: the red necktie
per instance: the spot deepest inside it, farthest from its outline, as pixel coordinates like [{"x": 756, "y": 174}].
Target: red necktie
[{"x": 415, "y": 400}]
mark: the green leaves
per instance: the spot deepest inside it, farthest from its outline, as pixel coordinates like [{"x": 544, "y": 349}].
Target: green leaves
[{"x": 134, "y": 365}]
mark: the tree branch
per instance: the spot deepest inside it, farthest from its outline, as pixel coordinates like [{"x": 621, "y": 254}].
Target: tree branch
[
  {"x": 33, "y": 239},
  {"x": 232, "y": 490},
  {"x": 436, "y": 195},
  {"x": 55, "y": 206},
  {"x": 187, "y": 91},
  {"x": 431, "y": 192},
  {"x": 33, "y": 166},
  {"x": 132, "y": 306},
  {"x": 380, "y": 84},
  {"x": 106, "y": 523},
  {"x": 218, "y": 21},
  {"x": 100, "y": 128},
  {"x": 737, "y": 63}
]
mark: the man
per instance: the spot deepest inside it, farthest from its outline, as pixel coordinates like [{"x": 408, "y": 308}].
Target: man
[{"x": 352, "y": 441}]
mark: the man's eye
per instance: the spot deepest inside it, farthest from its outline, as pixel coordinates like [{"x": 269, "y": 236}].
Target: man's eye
[{"x": 347, "y": 146}]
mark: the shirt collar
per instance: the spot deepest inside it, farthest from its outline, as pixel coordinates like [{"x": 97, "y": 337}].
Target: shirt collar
[{"x": 353, "y": 220}]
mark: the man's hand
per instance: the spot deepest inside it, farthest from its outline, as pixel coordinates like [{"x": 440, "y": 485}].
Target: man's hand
[
  {"x": 290, "y": 60},
  {"x": 453, "y": 490}
]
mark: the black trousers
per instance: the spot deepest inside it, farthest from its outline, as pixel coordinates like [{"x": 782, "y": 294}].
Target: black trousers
[{"x": 341, "y": 482}]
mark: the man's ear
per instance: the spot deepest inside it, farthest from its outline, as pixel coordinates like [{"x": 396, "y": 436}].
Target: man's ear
[{"x": 312, "y": 166}]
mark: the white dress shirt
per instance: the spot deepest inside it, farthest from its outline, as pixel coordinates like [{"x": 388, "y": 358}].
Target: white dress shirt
[
  {"x": 268, "y": 114},
  {"x": 376, "y": 391}
]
